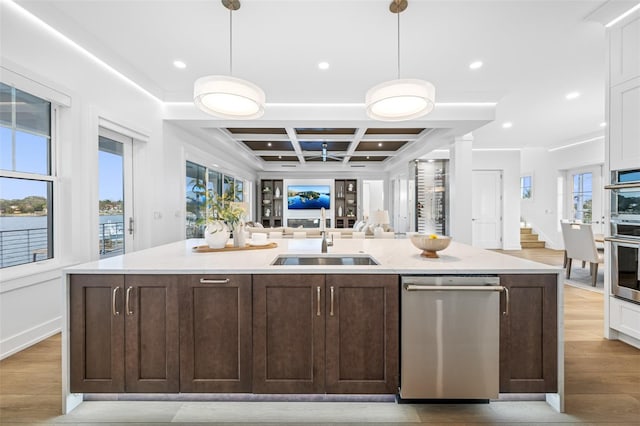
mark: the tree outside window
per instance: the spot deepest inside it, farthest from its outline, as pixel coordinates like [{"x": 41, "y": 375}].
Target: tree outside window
[
  {"x": 526, "y": 187},
  {"x": 582, "y": 197}
]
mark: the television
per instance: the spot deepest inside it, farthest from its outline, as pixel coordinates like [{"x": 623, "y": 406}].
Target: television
[{"x": 308, "y": 197}]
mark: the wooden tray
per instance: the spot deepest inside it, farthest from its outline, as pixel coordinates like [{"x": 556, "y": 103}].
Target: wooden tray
[{"x": 230, "y": 247}]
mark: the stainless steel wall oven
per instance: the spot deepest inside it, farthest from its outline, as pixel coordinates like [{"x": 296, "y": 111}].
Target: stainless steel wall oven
[{"x": 625, "y": 234}]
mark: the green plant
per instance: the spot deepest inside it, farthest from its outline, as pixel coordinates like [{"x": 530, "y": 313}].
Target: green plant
[{"x": 224, "y": 207}]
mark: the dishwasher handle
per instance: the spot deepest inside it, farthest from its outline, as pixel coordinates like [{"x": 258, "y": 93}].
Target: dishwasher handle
[{"x": 413, "y": 287}]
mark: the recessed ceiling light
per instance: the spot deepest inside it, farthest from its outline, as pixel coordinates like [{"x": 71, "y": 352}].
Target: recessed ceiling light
[
  {"x": 507, "y": 125},
  {"x": 269, "y": 144},
  {"x": 572, "y": 95},
  {"x": 379, "y": 143},
  {"x": 603, "y": 124},
  {"x": 475, "y": 65},
  {"x": 323, "y": 65},
  {"x": 367, "y": 157},
  {"x": 179, "y": 64},
  {"x": 279, "y": 157}
]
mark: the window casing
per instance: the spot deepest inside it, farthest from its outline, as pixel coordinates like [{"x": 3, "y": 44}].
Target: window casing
[{"x": 26, "y": 178}]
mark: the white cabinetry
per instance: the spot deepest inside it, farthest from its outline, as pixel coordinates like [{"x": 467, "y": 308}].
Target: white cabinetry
[
  {"x": 624, "y": 147},
  {"x": 624, "y": 317},
  {"x": 624, "y": 51},
  {"x": 624, "y": 94}
]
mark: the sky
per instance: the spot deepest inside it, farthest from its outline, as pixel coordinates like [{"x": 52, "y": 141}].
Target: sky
[{"x": 31, "y": 157}]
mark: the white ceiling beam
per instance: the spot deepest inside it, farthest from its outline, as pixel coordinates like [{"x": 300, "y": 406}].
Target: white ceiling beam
[
  {"x": 354, "y": 143},
  {"x": 296, "y": 145}
]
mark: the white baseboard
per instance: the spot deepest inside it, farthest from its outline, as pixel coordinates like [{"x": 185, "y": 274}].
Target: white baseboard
[{"x": 30, "y": 337}]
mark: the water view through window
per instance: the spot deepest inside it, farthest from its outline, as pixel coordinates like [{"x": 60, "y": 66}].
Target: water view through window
[{"x": 111, "y": 197}]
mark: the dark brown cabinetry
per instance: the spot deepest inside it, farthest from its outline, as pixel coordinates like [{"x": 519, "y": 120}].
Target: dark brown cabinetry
[
  {"x": 362, "y": 334},
  {"x": 288, "y": 333},
  {"x": 334, "y": 334},
  {"x": 529, "y": 335},
  {"x": 271, "y": 202},
  {"x": 124, "y": 333},
  {"x": 215, "y": 333},
  {"x": 346, "y": 198}
]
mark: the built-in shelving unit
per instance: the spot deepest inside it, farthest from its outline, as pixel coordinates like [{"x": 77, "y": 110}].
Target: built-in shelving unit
[
  {"x": 271, "y": 198},
  {"x": 346, "y": 199}
]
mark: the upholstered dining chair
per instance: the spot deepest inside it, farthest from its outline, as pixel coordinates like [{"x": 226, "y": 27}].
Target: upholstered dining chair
[
  {"x": 580, "y": 244},
  {"x": 275, "y": 234},
  {"x": 300, "y": 234},
  {"x": 358, "y": 235}
]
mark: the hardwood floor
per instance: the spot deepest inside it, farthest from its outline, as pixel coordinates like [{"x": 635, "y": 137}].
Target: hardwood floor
[{"x": 602, "y": 384}]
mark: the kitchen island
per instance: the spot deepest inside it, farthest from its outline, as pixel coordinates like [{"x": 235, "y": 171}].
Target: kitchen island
[{"x": 167, "y": 320}]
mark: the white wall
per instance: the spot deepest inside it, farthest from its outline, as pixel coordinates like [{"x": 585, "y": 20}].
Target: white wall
[
  {"x": 31, "y": 296},
  {"x": 509, "y": 163},
  {"x": 541, "y": 211}
]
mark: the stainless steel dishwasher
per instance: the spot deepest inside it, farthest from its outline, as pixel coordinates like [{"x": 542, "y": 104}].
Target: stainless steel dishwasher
[{"x": 450, "y": 337}]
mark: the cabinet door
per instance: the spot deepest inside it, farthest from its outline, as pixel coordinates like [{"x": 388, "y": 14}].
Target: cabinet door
[
  {"x": 529, "y": 335},
  {"x": 97, "y": 333},
  {"x": 151, "y": 325},
  {"x": 362, "y": 329},
  {"x": 215, "y": 333},
  {"x": 288, "y": 333},
  {"x": 624, "y": 126}
]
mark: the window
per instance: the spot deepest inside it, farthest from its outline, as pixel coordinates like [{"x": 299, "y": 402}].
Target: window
[
  {"x": 198, "y": 178},
  {"x": 525, "y": 187},
  {"x": 26, "y": 180},
  {"x": 582, "y": 197}
]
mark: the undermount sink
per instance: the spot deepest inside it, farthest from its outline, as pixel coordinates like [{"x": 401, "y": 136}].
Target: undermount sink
[{"x": 303, "y": 259}]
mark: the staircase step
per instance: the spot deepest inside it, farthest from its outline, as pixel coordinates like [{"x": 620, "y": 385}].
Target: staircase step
[
  {"x": 525, "y": 230},
  {"x": 532, "y": 244},
  {"x": 528, "y": 237}
]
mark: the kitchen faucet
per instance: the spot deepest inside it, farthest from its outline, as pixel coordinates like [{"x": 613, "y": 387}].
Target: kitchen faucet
[{"x": 323, "y": 220}]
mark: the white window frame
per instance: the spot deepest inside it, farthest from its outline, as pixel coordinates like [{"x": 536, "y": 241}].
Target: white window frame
[{"x": 57, "y": 100}]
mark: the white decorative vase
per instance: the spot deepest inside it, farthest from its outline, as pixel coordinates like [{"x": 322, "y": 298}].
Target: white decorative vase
[
  {"x": 277, "y": 192},
  {"x": 216, "y": 234},
  {"x": 239, "y": 237}
]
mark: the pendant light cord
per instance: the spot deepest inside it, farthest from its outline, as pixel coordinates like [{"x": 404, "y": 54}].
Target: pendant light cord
[
  {"x": 398, "y": 13},
  {"x": 230, "y": 42}
]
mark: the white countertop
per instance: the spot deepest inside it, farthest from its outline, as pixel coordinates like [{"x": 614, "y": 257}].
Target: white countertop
[{"x": 396, "y": 256}]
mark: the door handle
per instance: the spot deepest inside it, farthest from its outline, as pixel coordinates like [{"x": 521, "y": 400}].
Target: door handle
[
  {"x": 128, "y": 299},
  {"x": 113, "y": 302},
  {"x": 130, "y": 226},
  {"x": 207, "y": 281},
  {"x": 331, "y": 310},
  {"x": 318, "y": 313}
]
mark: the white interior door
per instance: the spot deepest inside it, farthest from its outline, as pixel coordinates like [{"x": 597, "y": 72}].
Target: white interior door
[
  {"x": 486, "y": 208},
  {"x": 115, "y": 193},
  {"x": 585, "y": 192}
]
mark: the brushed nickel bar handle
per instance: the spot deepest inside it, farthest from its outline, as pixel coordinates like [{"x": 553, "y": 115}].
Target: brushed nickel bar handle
[
  {"x": 331, "y": 311},
  {"x": 506, "y": 301},
  {"x": 412, "y": 287},
  {"x": 623, "y": 185},
  {"x": 622, "y": 240},
  {"x": 318, "y": 300},
  {"x": 207, "y": 281},
  {"x": 114, "y": 311},
  {"x": 127, "y": 307}
]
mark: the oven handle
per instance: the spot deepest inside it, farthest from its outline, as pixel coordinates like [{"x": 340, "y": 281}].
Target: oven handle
[
  {"x": 623, "y": 185},
  {"x": 622, "y": 241}
]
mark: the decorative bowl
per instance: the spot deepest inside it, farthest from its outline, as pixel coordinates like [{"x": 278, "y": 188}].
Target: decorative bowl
[{"x": 430, "y": 245}]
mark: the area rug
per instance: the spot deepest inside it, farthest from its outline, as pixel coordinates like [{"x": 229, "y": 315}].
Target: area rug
[{"x": 580, "y": 277}]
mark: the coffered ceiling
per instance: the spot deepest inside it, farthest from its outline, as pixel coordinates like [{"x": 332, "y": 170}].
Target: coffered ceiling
[
  {"x": 346, "y": 145},
  {"x": 534, "y": 52}
]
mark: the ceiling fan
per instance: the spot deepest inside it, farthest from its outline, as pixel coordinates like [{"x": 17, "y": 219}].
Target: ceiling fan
[{"x": 325, "y": 154}]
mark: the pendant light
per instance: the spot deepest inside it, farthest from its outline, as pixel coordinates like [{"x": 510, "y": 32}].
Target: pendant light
[
  {"x": 225, "y": 96},
  {"x": 400, "y": 99}
]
